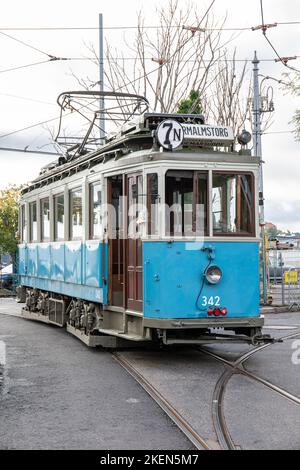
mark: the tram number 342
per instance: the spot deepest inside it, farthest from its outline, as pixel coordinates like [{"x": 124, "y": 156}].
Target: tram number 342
[{"x": 213, "y": 301}]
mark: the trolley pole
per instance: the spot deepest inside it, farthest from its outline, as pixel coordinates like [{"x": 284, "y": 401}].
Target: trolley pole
[
  {"x": 101, "y": 80},
  {"x": 257, "y": 150}
]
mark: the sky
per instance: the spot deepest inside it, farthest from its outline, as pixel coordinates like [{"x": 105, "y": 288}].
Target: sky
[{"x": 28, "y": 95}]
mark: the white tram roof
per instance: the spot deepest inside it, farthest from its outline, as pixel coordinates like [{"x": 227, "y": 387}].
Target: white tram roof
[{"x": 138, "y": 140}]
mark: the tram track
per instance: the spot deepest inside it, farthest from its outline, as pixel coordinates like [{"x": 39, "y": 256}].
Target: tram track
[
  {"x": 167, "y": 407},
  {"x": 224, "y": 438},
  {"x": 232, "y": 367},
  {"x": 236, "y": 367}
]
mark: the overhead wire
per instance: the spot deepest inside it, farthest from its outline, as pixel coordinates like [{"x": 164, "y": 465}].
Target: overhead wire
[
  {"x": 120, "y": 27},
  {"x": 24, "y": 66},
  {"x": 26, "y": 98},
  {"x": 51, "y": 57},
  {"x": 264, "y": 29},
  {"x": 118, "y": 89},
  {"x": 25, "y": 44}
]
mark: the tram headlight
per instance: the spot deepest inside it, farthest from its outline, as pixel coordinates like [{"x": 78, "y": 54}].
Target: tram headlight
[{"x": 213, "y": 274}]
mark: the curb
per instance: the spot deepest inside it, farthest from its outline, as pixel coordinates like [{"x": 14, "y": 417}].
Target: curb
[{"x": 281, "y": 309}]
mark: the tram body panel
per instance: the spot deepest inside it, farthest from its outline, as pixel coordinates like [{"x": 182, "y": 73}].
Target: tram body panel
[
  {"x": 70, "y": 268},
  {"x": 173, "y": 276}
]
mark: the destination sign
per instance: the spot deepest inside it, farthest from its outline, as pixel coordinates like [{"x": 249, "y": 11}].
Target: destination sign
[
  {"x": 205, "y": 133},
  {"x": 172, "y": 134}
]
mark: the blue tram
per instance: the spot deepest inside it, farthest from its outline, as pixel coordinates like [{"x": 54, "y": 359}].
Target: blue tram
[{"x": 152, "y": 236}]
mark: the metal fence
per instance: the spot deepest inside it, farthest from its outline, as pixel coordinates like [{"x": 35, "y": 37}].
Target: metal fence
[{"x": 283, "y": 277}]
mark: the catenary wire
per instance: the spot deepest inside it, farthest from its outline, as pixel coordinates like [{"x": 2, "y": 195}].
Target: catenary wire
[
  {"x": 24, "y": 66},
  {"x": 118, "y": 89},
  {"x": 26, "y": 98},
  {"x": 25, "y": 44},
  {"x": 96, "y": 28},
  {"x": 270, "y": 43}
]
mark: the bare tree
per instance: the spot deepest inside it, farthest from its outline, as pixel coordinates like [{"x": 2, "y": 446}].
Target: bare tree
[
  {"x": 292, "y": 85},
  {"x": 185, "y": 52},
  {"x": 229, "y": 100},
  {"x": 181, "y": 55}
]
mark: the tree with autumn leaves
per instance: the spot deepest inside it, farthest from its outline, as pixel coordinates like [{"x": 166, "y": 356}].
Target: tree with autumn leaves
[{"x": 9, "y": 199}]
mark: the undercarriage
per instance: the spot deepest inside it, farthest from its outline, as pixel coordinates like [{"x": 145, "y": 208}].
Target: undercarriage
[{"x": 98, "y": 326}]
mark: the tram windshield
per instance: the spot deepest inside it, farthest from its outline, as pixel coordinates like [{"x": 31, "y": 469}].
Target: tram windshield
[
  {"x": 186, "y": 203},
  {"x": 231, "y": 207},
  {"x": 232, "y": 204}
]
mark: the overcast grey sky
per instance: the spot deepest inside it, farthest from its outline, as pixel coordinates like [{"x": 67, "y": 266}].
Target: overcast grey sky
[{"x": 28, "y": 95}]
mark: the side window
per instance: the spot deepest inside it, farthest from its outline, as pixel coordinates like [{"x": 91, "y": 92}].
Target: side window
[
  {"x": 152, "y": 203},
  {"x": 95, "y": 211},
  {"x": 45, "y": 219},
  {"x": 23, "y": 224},
  {"x": 59, "y": 217},
  {"x": 76, "y": 227},
  {"x": 33, "y": 222},
  {"x": 201, "y": 204}
]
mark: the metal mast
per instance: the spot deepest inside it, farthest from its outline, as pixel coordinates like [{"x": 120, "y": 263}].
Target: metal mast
[
  {"x": 257, "y": 150},
  {"x": 257, "y": 111},
  {"x": 101, "y": 80}
]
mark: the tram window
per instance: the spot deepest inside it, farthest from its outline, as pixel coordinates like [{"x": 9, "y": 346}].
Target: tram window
[
  {"x": 23, "y": 224},
  {"x": 33, "y": 222},
  {"x": 45, "y": 219},
  {"x": 152, "y": 203},
  {"x": 76, "y": 227},
  {"x": 186, "y": 203},
  {"x": 59, "y": 217},
  {"x": 232, "y": 204},
  {"x": 95, "y": 211},
  {"x": 200, "y": 217}
]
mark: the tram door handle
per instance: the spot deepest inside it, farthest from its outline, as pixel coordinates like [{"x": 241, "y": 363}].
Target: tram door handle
[
  {"x": 119, "y": 254},
  {"x": 104, "y": 281}
]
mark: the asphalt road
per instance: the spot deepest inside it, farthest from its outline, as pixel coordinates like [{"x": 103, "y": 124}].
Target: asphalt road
[{"x": 57, "y": 393}]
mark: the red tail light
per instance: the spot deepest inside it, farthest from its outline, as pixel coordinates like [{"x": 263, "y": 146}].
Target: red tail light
[{"x": 217, "y": 311}]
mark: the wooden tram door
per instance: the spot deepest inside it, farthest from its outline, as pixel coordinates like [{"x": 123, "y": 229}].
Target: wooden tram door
[
  {"x": 134, "y": 243},
  {"x": 125, "y": 245},
  {"x": 116, "y": 241}
]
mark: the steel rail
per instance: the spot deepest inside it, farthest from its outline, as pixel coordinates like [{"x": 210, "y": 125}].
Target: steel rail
[
  {"x": 218, "y": 416},
  {"x": 222, "y": 432},
  {"x": 164, "y": 404},
  {"x": 281, "y": 391}
]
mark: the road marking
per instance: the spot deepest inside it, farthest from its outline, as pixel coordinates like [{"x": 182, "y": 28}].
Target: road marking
[
  {"x": 2, "y": 353},
  {"x": 281, "y": 327}
]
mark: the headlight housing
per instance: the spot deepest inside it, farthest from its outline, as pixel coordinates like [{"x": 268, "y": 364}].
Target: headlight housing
[{"x": 213, "y": 274}]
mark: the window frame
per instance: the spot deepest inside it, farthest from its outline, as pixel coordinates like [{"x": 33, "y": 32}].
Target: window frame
[
  {"x": 55, "y": 231},
  {"x": 43, "y": 238},
  {"x": 195, "y": 174},
  {"x": 252, "y": 232},
  {"x": 92, "y": 235},
  {"x": 149, "y": 204},
  {"x": 31, "y": 239},
  {"x": 71, "y": 192},
  {"x": 23, "y": 224}
]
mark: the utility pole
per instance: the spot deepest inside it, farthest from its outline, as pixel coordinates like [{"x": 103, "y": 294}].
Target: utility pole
[
  {"x": 101, "y": 80},
  {"x": 257, "y": 150}
]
